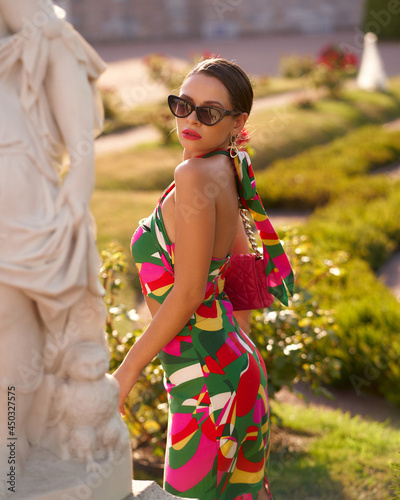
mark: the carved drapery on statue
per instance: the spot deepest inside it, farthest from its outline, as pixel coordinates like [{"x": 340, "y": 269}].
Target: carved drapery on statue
[{"x": 51, "y": 298}]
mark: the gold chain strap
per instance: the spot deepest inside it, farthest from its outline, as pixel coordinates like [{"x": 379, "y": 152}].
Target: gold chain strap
[{"x": 249, "y": 231}]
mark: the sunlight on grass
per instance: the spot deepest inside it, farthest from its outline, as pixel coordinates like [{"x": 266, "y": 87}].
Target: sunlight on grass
[
  {"x": 341, "y": 457},
  {"x": 117, "y": 214},
  {"x": 286, "y": 131},
  {"x": 141, "y": 168}
]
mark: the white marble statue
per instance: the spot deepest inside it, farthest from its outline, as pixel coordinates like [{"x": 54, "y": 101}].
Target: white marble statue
[
  {"x": 82, "y": 421},
  {"x": 371, "y": 75},
  {"x": 50, "y": 297}
]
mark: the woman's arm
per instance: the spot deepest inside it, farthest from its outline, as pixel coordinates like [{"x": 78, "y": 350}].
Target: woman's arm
[
  {"x": 242, "y": 246},
  {"x": 194, "y": 243}
]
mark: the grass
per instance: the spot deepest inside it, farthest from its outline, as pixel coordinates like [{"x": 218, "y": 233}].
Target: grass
[
  {"x": 276, "y": 133},
  {"x": 150, "y": 167},
  {"x": 284, "y": 132},
  {"x": 268, "y": 86},
  {"x": 326, "y": 454},
  {"x": 117, "y": 214}
]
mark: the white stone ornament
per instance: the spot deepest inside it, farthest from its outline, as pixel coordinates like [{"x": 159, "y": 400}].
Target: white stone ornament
[
  {"x": 61, "y": 435},
  {"x": 371, "y": 75},
  {"x": 82, "y": 421}
]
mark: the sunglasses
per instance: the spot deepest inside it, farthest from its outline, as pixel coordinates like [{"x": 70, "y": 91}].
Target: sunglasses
[{"x": 207, "y": 115}]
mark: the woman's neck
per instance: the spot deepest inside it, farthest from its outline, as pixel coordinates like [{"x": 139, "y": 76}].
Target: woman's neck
[{"x": 189, "y": 153}]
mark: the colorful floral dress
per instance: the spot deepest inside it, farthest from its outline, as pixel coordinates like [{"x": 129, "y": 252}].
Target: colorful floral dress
[{"x": 218, "y": 436}]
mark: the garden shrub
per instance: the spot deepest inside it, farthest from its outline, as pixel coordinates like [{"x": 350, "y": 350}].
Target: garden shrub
[
  {"x": 367, "y": 315},
  {"x": 382, "y": 17},
  {"x": 287, "y": 340},
  {"x": 323, "y": 173},
  {"x": 396, "y": 480},
  {"x": 295, "y": 66},
  {"x": 146, "y": 411},
  {"x": 361, "y": 226},
  {"x": 358, "y": 230},
  {"x": 367, "y": 322},
  {"x": 332, "y": 67}
]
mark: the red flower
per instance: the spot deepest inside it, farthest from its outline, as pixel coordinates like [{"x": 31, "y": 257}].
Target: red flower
[
  {"x": 242, "y": 138},
  {"x": 333, "y": 57}
]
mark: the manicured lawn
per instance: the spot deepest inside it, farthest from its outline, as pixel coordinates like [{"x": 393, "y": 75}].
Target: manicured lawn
[{"x": 327, "y": 455}]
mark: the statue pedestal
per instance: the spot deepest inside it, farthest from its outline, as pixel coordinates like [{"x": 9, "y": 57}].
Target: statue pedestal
[
  {"x": 46, "y": 477},
  {"x": 149, "y": 490}
]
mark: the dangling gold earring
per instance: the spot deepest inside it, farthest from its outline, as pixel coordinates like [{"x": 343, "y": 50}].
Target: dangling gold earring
[{"x": 233, "y": 149}]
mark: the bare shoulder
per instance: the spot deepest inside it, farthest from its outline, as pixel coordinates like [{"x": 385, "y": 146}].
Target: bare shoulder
[
  {"x": 191, "y": 172},
  {"x": 201, "y": 170}
]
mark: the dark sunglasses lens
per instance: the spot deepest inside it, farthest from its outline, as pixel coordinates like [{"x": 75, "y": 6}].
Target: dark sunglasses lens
[
  {"x": 209, "y": 116},
  {"x": 179, "y": 107}
]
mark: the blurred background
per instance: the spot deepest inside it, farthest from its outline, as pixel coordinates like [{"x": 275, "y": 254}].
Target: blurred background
[
  {"x": 129, "y": 20},
  {"x": 325, "y": 144}
]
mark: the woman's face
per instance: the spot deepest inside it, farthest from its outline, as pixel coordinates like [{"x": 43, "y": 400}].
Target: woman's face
[{"x": 201, "y": 89}]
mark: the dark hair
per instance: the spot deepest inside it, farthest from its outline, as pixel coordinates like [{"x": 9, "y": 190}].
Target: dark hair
[{"x": 234, "y": 79}]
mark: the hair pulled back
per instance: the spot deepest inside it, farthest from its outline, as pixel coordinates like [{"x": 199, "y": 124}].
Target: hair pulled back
[{"x": 233, "y": 78}]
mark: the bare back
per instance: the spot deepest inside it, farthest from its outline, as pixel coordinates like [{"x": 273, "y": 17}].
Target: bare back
[{"x": 219, "y": 188}]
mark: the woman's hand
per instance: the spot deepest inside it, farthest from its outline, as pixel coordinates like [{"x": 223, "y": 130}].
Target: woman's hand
[{"x": 126, "y": 378}]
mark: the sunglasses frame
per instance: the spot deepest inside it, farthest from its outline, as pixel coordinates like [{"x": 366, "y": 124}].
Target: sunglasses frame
[{"x": 221, "y": 111}]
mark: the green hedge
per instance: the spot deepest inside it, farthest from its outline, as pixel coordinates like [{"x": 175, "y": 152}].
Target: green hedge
[
  {"x": 325, "y": 173},
  {"x": 382, "y": 17},
  {"x": 353, "y": 231}
]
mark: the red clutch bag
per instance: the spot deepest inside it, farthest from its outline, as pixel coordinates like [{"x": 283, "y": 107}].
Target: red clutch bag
[
  {"x": 245, "y": 279},
  {"x": 246, "y": 283}
]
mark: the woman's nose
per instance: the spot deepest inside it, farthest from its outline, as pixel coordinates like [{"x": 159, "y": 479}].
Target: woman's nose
[{"x": 193, "y": 118}]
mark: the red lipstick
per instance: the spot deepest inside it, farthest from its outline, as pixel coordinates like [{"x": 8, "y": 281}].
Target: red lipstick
[{"x": 190, "y": 134}]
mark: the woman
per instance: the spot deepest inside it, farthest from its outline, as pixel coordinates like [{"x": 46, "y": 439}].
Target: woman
[{"x": 216, "y": 380}]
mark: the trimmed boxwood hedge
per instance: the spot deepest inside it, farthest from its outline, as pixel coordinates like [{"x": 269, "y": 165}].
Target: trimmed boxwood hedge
[
  {"x": 325, "y": 173},
  {"x": 347, "y": 239}
]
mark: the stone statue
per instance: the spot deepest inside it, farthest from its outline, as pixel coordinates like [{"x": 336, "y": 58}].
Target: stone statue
[
  {"x": 371, "y": 75},
  {"x": 82, "y": 420},
  {"x": 56, "y": 403}
]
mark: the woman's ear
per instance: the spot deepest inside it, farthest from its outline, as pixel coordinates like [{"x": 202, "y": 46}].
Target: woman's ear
[{"x": 240, "y": 122}]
